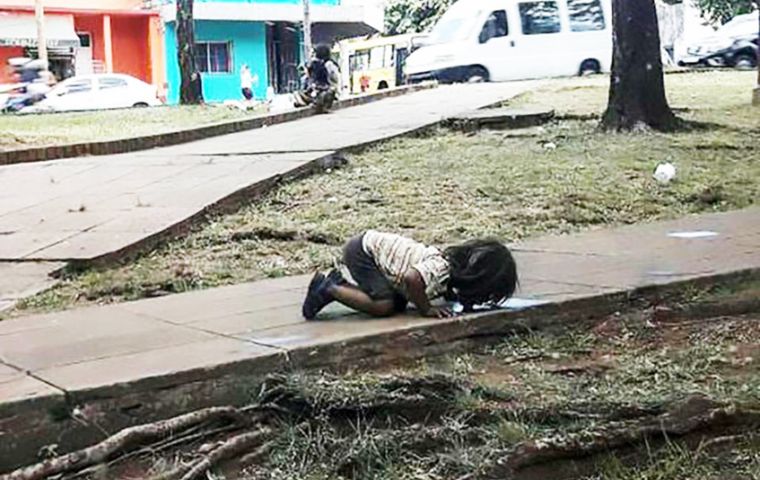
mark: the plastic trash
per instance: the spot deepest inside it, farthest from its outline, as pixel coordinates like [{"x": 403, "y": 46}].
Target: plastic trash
[{"x": 665, "y": 173}]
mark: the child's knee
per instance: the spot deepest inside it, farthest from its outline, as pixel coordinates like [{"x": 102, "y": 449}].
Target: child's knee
[{"x": 383, "y": 309}]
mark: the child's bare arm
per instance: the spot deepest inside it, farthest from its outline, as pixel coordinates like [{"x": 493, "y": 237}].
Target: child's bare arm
[{"x": 415, "y": 287}]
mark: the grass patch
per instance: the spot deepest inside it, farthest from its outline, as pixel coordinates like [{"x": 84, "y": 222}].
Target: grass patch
[
  {"x": 28, "y": 131},
  {"x": 566, "y": 178}
]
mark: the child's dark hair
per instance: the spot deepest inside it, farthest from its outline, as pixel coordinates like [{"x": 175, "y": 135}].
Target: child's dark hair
[
  {"x": 322, "y": 52},
  {"x": 482, "y": 272}
]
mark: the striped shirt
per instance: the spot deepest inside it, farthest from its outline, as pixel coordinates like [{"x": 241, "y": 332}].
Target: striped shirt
[{"x": 395, "y": 255}]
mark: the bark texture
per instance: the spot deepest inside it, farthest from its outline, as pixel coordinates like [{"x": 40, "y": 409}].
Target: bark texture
[
  {"x": 191, "y": 91},
  {"x": 637, "y": 90},
  {"x": 756, "y": 93}
]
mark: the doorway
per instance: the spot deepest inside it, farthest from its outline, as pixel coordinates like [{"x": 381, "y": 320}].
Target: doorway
[
  {"x": 83, "y": 59},
  {"x": 283, "y": 55}
]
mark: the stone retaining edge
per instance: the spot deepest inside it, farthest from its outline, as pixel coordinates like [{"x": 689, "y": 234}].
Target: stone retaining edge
[
  {"x": 117, "y": 406},
  {"x": 113, "y": 147}
]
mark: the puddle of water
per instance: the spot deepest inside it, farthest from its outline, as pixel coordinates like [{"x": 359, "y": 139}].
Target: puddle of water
[
  {"x": 511, "y": 304},
  {"x": 694, "y": 234}
]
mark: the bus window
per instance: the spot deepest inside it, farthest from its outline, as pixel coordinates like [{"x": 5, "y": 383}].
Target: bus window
[
  {"x": 360, "y": 61},
  {"x": 376, "y": 58},
  {"x": 540, "y": 17},
  {"x": 586, "y": 15},
  {"x": 389, "y": 56}
]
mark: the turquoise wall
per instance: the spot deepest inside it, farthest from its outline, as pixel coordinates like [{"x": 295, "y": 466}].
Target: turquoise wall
[{"x": 248, "y": 45}]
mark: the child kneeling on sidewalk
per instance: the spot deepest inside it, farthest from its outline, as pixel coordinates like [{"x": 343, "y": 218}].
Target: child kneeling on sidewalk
[{"x": 391, "y": 270}]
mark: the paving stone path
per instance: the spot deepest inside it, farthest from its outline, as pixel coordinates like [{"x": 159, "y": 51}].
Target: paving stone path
[
  {"x": 91, "y": 208},
  {"x": 157, "y": 358},
  {"x": 98, "y": 347}
]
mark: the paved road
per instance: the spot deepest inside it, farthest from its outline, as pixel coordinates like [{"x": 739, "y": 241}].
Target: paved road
[{"x": 91, "y": 207}]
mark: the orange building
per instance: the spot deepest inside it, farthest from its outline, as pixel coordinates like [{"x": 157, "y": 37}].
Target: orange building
[{"x": 86, "y": 36}]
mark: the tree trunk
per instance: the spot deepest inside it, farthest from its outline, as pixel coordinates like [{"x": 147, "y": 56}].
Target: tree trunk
[
  {"x": 191, "y": 90},
  {"x": 756, "y": 93},
  {"x": 637, "y": 89}
]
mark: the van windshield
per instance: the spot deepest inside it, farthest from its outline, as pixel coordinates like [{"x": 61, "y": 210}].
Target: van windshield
[
  {"x": 740, "y": 26},
  {"x": 454, "y": 26}
]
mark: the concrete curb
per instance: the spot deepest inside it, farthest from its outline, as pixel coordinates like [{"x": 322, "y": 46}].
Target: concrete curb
[
  {"x": 112, "y": 147},
  {"x": 33, "y": 422}
]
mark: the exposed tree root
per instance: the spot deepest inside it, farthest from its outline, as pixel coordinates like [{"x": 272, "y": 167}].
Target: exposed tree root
[
  {"x": 696, "y": 415},
  {"x": 414, "y": 415},
  {"x": 409, "y": 397},
  {"x": 236, "y": 445},
  {"x": 125, "y": 440}
]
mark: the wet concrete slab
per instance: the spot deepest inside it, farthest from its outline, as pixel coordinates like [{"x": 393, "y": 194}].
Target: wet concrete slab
[{"x": 158, "y": 368}]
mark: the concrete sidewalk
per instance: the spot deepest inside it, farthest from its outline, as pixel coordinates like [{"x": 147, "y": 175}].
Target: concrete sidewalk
[
  {"x": 91, "y": 208},
  {"x": 194, "y": 348}
]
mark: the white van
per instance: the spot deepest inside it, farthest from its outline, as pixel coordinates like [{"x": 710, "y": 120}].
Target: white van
[{"x": 499, "y": 40}]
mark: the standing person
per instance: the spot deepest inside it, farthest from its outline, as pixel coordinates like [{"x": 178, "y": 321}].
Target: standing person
[
  {"x": 391, "y": 270},
  {"x": 246, "y": 82}
]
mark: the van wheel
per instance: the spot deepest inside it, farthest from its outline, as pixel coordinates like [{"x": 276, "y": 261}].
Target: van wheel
[
  {"x": 476, "y": 75},
  {"x": 745, "y": 61},
  {"x": 590, "y": 67},
  {"x": 140, "y": 105},
  {"x": 382, "y": 85}
]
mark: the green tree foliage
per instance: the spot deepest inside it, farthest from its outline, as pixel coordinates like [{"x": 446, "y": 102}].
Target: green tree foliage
[
  {"x": 722, "y": 11},
  {"x": 413, "y": 16}
]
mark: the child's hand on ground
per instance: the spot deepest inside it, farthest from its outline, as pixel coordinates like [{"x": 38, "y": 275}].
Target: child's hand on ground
[{"x": 438, "y": 312}]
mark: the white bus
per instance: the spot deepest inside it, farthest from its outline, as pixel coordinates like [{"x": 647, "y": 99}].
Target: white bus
[{"x": 500, "y": 40}]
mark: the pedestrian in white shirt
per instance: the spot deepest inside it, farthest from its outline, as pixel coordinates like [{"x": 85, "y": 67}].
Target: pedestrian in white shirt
[{"x": 246, "y": 82}]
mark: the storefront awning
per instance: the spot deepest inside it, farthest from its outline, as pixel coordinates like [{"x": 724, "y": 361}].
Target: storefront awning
[{"x": 20, "y": 30}]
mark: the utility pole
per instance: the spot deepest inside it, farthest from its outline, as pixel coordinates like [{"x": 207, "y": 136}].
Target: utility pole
[
  {"x": 39, "y": 13},
  {"x": 306, "y": 30}
]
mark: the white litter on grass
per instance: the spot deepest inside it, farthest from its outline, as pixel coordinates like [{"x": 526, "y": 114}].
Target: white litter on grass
[
  {"x": 694, "y": 234},
  {"x": 511, "y": 304},
  {"x": 665, "y": 173}
]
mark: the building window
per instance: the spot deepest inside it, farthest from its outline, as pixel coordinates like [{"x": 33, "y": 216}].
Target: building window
[
  {"x": 586, "y": 15},
  {"x": 213, "y": 57},
  {"x": 85, "y": 40},
  {"x": 540, "y": 18}
]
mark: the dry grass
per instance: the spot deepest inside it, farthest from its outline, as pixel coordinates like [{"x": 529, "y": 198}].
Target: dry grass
[{"x": 564, "y": 177}]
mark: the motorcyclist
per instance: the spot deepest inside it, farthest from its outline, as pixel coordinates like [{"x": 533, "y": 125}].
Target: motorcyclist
[{"x": 35, "y": 83}]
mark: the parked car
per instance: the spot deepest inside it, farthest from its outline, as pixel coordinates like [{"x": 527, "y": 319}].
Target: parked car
[
  {"x": 733, "y": 45},
  {"x": 98, "y": 92},
  {"x": 499, "y": 40},
  {"x": 742, "y": 54}
]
